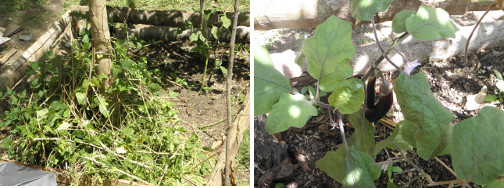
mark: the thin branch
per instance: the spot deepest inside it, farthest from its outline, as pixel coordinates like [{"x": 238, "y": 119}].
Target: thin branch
[
  {"x": 114, "y": 168},
  {"x": 447, "y": 167},
  {"x": 474, "y": 29},
  {"x": 229, "y": 109}
]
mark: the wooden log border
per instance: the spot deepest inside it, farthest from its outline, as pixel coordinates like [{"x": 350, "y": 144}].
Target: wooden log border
[{"x": 14, "y": 70}]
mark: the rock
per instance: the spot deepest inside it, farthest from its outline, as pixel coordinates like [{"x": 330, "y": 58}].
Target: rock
[
  {"x": 475, "y": 102},
  {"x": 285, "y": 170},
  {"x": 2, "y": 30},
  {"x": 295, "y": 141},
  {"x": 285, "y": 63},
  {"x": 309, "y": 132},
  {"x": 4, "y": 40},
  {"x": 25, "y": 36},
  {"x": 269, "y": 153},
  {"x": 12, "y": 29}
]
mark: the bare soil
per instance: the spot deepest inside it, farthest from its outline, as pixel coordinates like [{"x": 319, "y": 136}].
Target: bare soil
[
  {"x": 201, "y": 112},
  {"x": 278, "y": 159}
]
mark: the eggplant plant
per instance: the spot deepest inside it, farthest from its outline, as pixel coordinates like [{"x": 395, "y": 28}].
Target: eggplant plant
[{"x": 474, "y": 144}]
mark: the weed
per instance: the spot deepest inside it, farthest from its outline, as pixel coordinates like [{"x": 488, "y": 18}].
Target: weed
[{"x": 62, "y": 121}]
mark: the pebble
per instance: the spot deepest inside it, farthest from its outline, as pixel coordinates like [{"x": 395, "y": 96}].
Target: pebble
[
  {"x": 309, "y": 132},
  {"x": 436, "y": 177},
  {"x": 25, "y": 36},
  {"x": 295, "y": 141}
]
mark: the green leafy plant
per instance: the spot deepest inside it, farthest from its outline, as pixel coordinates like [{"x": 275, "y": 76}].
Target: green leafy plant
[
  {"x": 62, "y": 121},
  {"x": 427, "y": 125},
  {"x": 203, "y": 45},
  {"x": 500, "y": 86}
]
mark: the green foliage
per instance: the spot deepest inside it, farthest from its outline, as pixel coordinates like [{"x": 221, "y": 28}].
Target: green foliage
[
  {"x": 430, "y": 24},
  {"x": 357, "y": 171},
  {"x": 290, "y": 111},
  {"x": 63, "y": 121},
  {"x": 396, "y": 139},
  {"x": 347, "y": 96},
  {"x": 427, "y": 124},
  {"x": 363, "y": 137},
  {"x": 500, "y": 86},
  {"x": 364, "y": 9},
  {"x": 399, "y": 21},
  {"x": 19, "y": 5},
  {"x": 477, "y": 147},
  {"x": 204, "y": 46},
  {"x": 328, "y": 53},
  {"x": 269, "y": 84}
]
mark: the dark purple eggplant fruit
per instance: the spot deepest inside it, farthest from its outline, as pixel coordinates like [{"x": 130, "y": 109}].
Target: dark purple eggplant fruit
[{"x": 380, "y": 109}]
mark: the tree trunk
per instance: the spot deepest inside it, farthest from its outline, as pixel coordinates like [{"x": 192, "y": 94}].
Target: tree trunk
[
  {"x": 101, "y": 39},
  {"x": 204, "y": 25}
]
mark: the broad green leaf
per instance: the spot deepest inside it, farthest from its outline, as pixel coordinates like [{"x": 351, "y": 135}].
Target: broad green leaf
[
  {"x": 226, "y": 22},
  {"x": 194, "y": 37},
  {"x": 280, "y": 185},
  {"x": 361, "y": 9},
  {"x": 42, "y": 113},
  {"x": 66, "y": 113},
  {"x": 391, "y": 185},
  {"x": 430, "y": 24},
  {"x": 85, "y": 39},
  {"x": 269, "y": 84},
  {"x": 348, "y": 96},
  {"x": 328, "y": 53},
  {"x": 129, "y": 131},
  {"x": 490, "y": 98},
  {"x": 495, "y": 184},
  {"x": 64, "y": 126},
  {"x": 399, "y": 21},
  {"x": 358, "y": 171},
  {"x": 102, "y": 107},
  {"x": 363, "y": 136},
  {"x": 223, "y": 70},
  {"x": 396, "y": 138},
  {"x": 34, "y": 65},
  {"x": 426, "y": 122},
  {"x": 290, "y": 111},
  {"x": 478, "y": 150},
  {"x": 214, "y": 31},
  {"x": 300, "y": 59},
  {"x": 80, "y": 97},
  {"x": 498, "y": 75},
  {"x": 6, "y": 143}
]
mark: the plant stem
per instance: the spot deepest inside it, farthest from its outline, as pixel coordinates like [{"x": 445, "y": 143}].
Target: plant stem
[
  {"x": 204, "y": 72},
  {"x": 229, "y": 110},
  {"x": 447, "y": 167},
  {"x": 474, "y": 29}
]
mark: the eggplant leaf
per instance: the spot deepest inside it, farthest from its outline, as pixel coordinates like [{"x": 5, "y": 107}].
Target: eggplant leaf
[
  {"x": 269, "y": 84},
  {"x": 477, "y": 147},
  {"x": 358, "y": 171},
  {"x": 430, "y": 24},
  {"x": 427, "y": 124},
  {"x": 328, "y": 53},
  {"x": 290, "y": 111}
]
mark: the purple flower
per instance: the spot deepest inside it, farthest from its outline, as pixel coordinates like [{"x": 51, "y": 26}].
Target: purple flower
[{"x": 410, "y": 66}]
